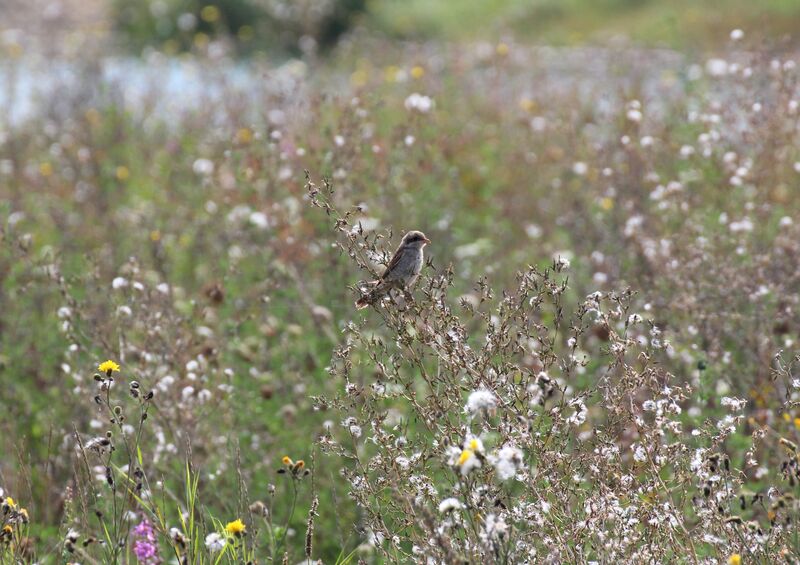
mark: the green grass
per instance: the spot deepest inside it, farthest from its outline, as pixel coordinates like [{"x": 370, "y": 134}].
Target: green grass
[{"x": 671, "y": 23}]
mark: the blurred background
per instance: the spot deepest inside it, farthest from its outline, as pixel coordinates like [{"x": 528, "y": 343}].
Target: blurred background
[
  {"x": 153, "y": 210},
  {"x": 287, "y": 28}
]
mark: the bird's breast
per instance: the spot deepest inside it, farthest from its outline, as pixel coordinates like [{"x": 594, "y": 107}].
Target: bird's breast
[{"x": 419, "y": 262}]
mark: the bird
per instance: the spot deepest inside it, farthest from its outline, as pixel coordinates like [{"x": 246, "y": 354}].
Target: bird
[{"x": 402, "y": 271}]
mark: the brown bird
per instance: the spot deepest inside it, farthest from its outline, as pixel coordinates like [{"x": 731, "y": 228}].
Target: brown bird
[{"x": 402, "y": 271}]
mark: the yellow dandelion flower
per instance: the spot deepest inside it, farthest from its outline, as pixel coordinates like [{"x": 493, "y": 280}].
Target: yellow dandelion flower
[
  {"x": 787, "y": 417},
  {"x": 527, "y": 105},
  {"x": 235, "y": 528},
  {"x": 465, "y": 456},
  {"x": 45, "y": 169},
  {"x": 10, "y": 502},
  {"x": 287, "y": 460},
  {"x": 417, "y": 72},
  {"x": 299, "y": 464},
  {"x": 244, "y": 136},
  {"x": 108, "y": 367},
  {"x": 607, "y": 203},
  {"x": 735, "y": 559},
  {"x": 155, "y": 235},
  {"x": 122, "y": 173},
  {"x": 502, "y": 49},
  {"x": 473, "y": 444}
]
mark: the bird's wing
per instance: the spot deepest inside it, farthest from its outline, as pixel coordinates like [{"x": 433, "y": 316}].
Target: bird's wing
[{"x": 394, "y": 260}]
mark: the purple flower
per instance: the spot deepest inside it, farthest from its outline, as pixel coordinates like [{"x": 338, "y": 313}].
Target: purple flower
[
  {"x": 145, "y": 530},
  {"x": 145, "y": 548},
  {"x": 146, "y": 552}
]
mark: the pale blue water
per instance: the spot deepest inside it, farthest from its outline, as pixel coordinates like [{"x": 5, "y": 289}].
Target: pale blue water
[
  {"x": 164, "y": 87},
  {"x": 37, "y": 87}
]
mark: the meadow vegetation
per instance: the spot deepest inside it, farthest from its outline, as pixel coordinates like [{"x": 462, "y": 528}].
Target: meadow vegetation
[{"x": 599, "y": 362}]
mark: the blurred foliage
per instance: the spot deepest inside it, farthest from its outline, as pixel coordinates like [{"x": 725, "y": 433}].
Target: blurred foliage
[
  {"x": 673, "y": 23},
  {"x": 307, "y": 25},
  {"x": 250, "y": 25}
]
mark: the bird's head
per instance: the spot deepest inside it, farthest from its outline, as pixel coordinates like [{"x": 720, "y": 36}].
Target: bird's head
[{"x": 416, "y": 239}]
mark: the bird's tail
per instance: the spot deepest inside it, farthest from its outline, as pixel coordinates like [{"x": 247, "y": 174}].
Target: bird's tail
[{"x": 371, "y": 296}]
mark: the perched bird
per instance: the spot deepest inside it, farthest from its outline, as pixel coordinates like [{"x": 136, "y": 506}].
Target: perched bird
[{"x": 402, "y": 271}]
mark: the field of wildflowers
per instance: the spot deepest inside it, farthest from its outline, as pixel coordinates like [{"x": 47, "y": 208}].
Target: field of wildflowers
[{"x": 599, "y": 362}]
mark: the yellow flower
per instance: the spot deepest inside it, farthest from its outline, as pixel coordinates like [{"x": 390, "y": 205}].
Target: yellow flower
[
  {"x": 607, "y": 203},
  {"x": 735, "y": 559},
  {"x": 527, "y": 105},
  {"x": 45, "y": 169},
  {"x": 417, "y": 72},
  {"x": 155, "y": 235},
  {"x": 235, "y": 528},
  {"x": 108, "y": 367},
  {"x": 122, "y": 173},
  {"x": 465, "y": 456},
  {"x": 287, "y": 460},
  {"x": 10, "y": 502},
  {"x": 473, "y": 444},
  {"x": 244, "y": 136},
  {"x": 502, "y": 49}
]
